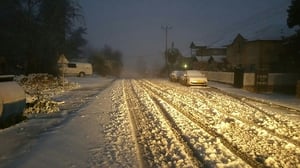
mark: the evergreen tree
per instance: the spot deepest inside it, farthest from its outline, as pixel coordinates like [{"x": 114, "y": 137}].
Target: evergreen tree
[
  {"x": 293, "y": 20},
  {"x": 173, "y": 55},
  {"x": 35, "y": 32},
  {"x": 74, "y": 43},
  {"x": 11, "y": 16},
  {"x": 107, "y": 61},
  {"x": 294, "y": 14},
  {"x": 57, "y": 19}
]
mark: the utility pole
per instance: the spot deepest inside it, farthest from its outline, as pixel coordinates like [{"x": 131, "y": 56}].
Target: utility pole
[{"x": 166, "y": 28}]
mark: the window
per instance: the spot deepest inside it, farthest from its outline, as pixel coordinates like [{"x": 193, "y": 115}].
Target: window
[{"x": 71, "y": 65}]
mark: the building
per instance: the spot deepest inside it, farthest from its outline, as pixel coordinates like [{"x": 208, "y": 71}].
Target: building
[
  {"x": 255, "y": 54},
  {"x": 208, "y": 58}
]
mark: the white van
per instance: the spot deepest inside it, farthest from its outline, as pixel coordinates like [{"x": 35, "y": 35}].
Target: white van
[{"x": 76, "y": 69}]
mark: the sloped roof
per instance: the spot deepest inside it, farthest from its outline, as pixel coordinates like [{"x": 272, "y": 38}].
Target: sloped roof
[
  {"x": 270, "y": 32},
  {"x": 267, "y": 32}
]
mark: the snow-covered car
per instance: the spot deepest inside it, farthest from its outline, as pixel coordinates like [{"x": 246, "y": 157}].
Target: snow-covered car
[
  {"x": 174, "y": 75},
  {"x": 193, "y": 77}
]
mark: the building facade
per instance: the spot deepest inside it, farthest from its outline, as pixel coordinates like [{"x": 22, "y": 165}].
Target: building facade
[{"x": 256, "y": 54}]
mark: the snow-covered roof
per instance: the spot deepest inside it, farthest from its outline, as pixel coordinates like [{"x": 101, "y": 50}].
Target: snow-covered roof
[
  {"x": 270, "y": 32},
  {"x": 266, "y": 32}
]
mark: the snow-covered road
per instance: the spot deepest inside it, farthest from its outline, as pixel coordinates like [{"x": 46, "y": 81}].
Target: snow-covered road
[
  {"x": 181, "y": 126},
  {"x": 157, "y": 123}
]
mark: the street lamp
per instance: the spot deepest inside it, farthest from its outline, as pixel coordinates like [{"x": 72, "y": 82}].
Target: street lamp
[{"x": 185, "y": 66}]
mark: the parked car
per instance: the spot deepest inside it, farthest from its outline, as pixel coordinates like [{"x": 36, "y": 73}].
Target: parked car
[
  {"x": 193, "y": 77},
  {"x": 174, "y": 75},
  {"x": 12, "y": 101},
  {"x": 76, "y": 69}
]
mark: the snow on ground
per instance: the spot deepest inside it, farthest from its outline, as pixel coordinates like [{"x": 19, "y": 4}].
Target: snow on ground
[
  {"x": 78, "y": 143},
  {"x": 275, "y": 98},
  {"x": 252, "y": 135},
  {"x": 151, "y": 123},
  {"x": 208, "y": 148},
  {"x": 68, "y": 138}
]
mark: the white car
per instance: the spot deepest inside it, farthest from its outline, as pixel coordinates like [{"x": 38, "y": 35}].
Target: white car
[
  {"x": 174, "y": 75},
  {"x": 193, "y": 77},
  {"x": 76, "y": 69}
]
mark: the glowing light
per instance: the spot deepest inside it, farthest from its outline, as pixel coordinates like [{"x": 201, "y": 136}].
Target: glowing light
[{"x": 185, "y": 66}]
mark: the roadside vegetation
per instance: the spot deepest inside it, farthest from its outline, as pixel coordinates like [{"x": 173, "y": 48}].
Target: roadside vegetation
[{"x": 34, "y": 33}]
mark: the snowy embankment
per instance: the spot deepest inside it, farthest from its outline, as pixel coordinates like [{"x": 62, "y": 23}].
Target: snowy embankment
[{"x": 40, "y": 89}]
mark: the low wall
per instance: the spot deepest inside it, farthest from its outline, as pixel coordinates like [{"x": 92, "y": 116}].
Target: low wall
[
  {"x": 224, "y": 77},
  {"x": 276, "y": 81},
  {"x": 281, "y": 82},
  {"x": 283, "y": 79}
]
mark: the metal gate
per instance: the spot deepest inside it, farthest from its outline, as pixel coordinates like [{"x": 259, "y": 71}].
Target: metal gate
[
  {"x": 238, "y": 77},
  {"x": 261, "y": 80}
]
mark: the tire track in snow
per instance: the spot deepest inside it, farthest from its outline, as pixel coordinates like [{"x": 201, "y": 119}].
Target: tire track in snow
[
  {"x": 264, "y": 121},
  {"x": 176, "y": 130},
  {"x": 200, "y": 154},
  {"x": 162, "y": 148},
  {"x": 129, "y": 106},
  {"x": 266, "y": 149},
  {"x": 234, "y": 149},
  {"x": 120, "y": 149}
]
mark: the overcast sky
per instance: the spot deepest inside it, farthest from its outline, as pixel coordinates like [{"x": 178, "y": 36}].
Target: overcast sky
[{"x": 134, "y": 26}]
